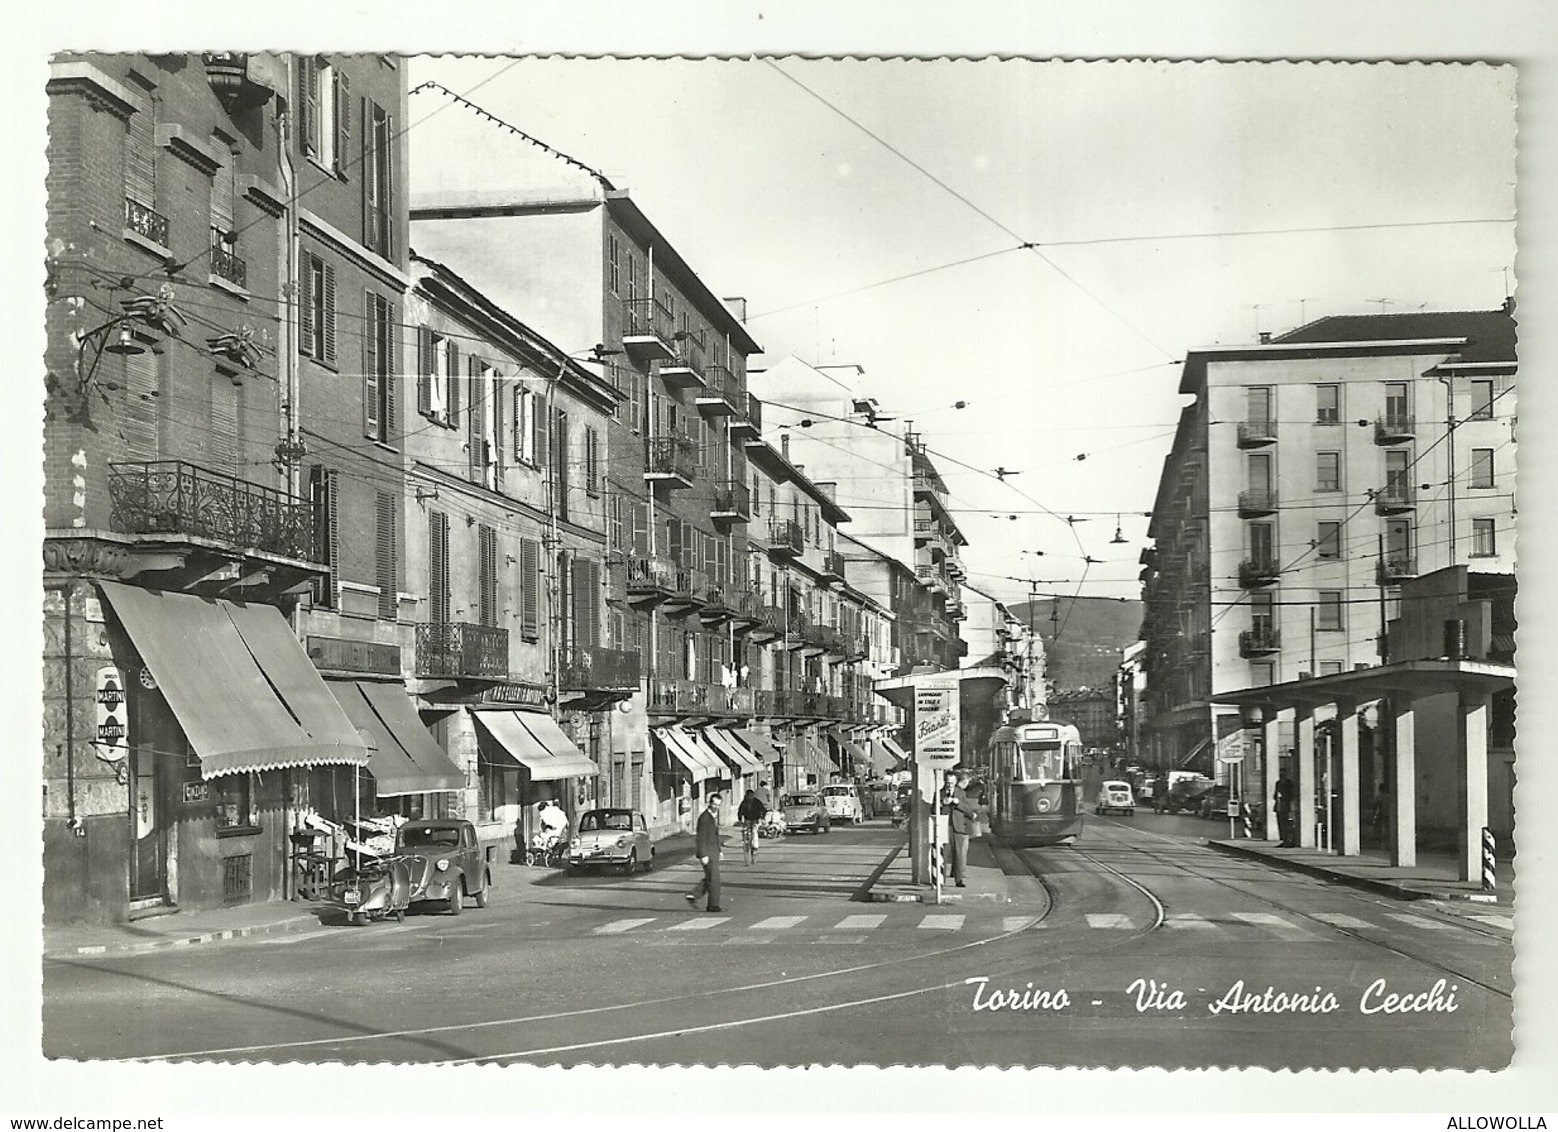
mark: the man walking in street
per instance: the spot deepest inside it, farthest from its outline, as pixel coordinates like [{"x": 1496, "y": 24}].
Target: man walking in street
[
  {"x": 963, "y": 815},
  {"x": 1282, "y": 802},
  {"x": 706, "y": 848}
]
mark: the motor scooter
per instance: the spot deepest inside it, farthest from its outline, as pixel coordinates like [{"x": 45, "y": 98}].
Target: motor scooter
[
  {"x": 376, "y": 888},
  {"x": 772, "y": 825},
  {"x": 551, "y": 853}
]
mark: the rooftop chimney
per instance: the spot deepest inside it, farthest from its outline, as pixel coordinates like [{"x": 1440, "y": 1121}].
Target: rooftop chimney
[
  {"x": 784, "y": 445},
  {"x": 1265, "y": 337},
  {"x": 738, "y": 307}
]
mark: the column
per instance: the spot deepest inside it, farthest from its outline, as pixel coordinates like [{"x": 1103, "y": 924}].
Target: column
[
  {"x": 1347, "y": 737},
  {"x": 1472, "y": 773},
  {"x": 1403, "y": 789},
  {"x": 1272, "y": 758},
  {"x": 1304, "y": 755}
]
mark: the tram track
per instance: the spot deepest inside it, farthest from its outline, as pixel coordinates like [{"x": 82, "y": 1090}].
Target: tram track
[{"x": 1350, "y": 933}]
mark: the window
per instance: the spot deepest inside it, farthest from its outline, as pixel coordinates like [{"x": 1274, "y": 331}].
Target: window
[
  {"x": 1396, "y": 401},
  {"x": 1481, "y": 467},
  {"x": 1328, "y": 404},
  {"x": 1482, "y": 400},
  {"x": 1262, "y": 672},
  {"x": 614, "y": 264},
  {"x": 438, "y": 567},
  {"x": 1328, "y": 471},
  {"x": 1258, "y": 404},
  {"x": 323, "y": 493},
  {"x": 560, "y": 463},
  {"x": 482, "y": 388},
  {"x": 1328, "y": 540},
  {"x": 524, "y": 425},
  {"x": 324, "y": 114},
  {"x": 1263, "y": 612},
  {"x": 234, "y": 808},
  {"x": 316, "y": 308},
  {"x": 1330, "y": 668},
  {"x": 487, "y": 571},
  {"x": 225, "y": 263},
  {"x": 529, "y": 589},
  {"x": 384, "y": 562},
  {"x": 378, "y": 369},
  {"x": 591, "y": 461},
  {"x": 378, "y": 162},
  {"x": 1328, "y": 615},
  {"x": 140, "y": 172},
  {"x": 616, "y": 532},
  {"x": 1484, "y": 542}
]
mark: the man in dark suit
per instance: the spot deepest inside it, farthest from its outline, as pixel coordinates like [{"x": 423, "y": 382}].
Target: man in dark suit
[
  {"x": 706, "y": 848},
  {"x": 963, "y": 815},
  {"x": 1282, "y": 801}
]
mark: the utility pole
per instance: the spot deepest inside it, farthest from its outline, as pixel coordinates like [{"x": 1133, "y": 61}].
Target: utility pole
[{"x": 1449, "y": 436}]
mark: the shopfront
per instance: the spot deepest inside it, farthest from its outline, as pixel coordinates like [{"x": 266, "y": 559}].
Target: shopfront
[{"x": 525, "y": 759}]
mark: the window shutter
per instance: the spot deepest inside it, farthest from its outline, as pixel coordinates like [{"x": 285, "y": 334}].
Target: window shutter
[
  {"x": 476, "y": 461},
  {"x": 308, "y": 105},
  {"x": 329, "y": 315},
  {"x": 224, "y": 424},
  {"x": 584, "y": 631},
  {"x": 425, "y": 369},
  {"x": 488, "y": 546},
  {"x": 387, "y": 187},
  {"x": 385, "y": 557},
  {"x": 343, "y": 121},
  {"x": 529, "y": 588},
  {"x": 518, "y": 422},
  {"x": 142, "y": 407},
  {"x": 391, "y": 332},
  {"x": 640, "y": 529},
  {"x": 438, "y": 567},
  {"x": 370, "y": 365},
  {"x": 538, "y": 426},
  {"x": 673, "y": 531},
  {"x": 306, "y": 302},
  {"x": 592, "y": 603},
  {"x": 495, "y": 447},
  {"x": 592, "y": 461},
  {"x": 560, "y": 463},
  {"x": 222, "y": 197},
  {"x": 614, "y": 534},
  {"x": 452, "y": 400}
]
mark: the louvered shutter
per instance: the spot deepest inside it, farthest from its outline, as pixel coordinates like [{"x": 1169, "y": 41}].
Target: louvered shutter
[
  {"x": 306, "y": 303},
  {"x": 308, "y": 105},
  {"x": 387, "y": 186},
  {"x": 538, "y": 431},
  {"x": 560, "y": 463},
  {"x": 640, "y": 529},
  {"x": 452, "y": 401},
  {"x": 488, "y": 547},
  {"x": 222, "y": 203},
  {"x": 592, "y": 603},
  {"x": 370, "y": 365},
  {"x": 529, "y": 588},
  {"x": 521, "y": 396},
  {"x": 388, "y": 369},
  {"x": 385, "y": 558},
  {"x": 673, "y": 538},
  {"x": 223, "y": 437},
  {"x": 476, "y": 458},
  {"x": 425, "y": 368},
  {"x": 329, "y": 313},
  {"x": 140, "y": 171},
  {"x": 438, "y": 567},
  {"x": 343, "y": 121},
  {"x": 142, "y": 407},
  {"x": 579, "y": 607},
  {"x": 495, "y": 446},
  {"x": 592, "y": 461},
  {"x": 614, "y": 531}
]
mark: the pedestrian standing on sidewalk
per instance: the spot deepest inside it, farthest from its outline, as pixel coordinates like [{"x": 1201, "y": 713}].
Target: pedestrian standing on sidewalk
[
  {"x": 706, "y": 847},
  {"x": 963, "y": 814},
  {"x": 1282, "y": 802}
]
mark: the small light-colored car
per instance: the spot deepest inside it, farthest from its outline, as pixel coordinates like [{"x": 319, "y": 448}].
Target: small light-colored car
[
  {"x": 843, "y": 802},
  {"x": 445, "y": 861},
  {"x": 805, "y": 811},
  {"x": 1115, "y": 795},
  {"x": 612, "y": 837}
]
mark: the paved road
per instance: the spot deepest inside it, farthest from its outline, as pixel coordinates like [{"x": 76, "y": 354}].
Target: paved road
[{"x": 1137, "y": 931}]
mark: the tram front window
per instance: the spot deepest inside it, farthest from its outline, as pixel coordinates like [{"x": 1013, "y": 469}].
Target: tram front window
[{"x": 1041, "y": 764}]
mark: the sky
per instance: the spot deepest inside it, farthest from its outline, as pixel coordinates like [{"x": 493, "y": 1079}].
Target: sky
[{"x": 875, "y": 212}]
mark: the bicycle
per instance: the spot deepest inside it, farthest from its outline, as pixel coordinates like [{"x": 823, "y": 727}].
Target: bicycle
[{"x": 749, "y": 842}]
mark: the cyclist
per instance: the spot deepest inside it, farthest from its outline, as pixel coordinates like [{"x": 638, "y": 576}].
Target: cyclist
[{"x": 750, "y": 813}]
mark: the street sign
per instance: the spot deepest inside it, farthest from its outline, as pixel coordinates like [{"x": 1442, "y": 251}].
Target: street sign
[
  {"x": 937, "y": 722},
  {"x": 1231, "y": 748},
  {"x": 110, "y": 735}
]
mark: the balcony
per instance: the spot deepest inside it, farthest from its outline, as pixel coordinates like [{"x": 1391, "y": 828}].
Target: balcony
[
  {"x": 1394, "y": 498},
  {"x": 931, "y": 574},
  {"x": 648, "y": 330},
  {"x": 765, "y": 623},
  {"x": 834, "y": 650},
  {"x": 226, "y": 263},
  {"x": 747, "y": 426},
  {"x": 926, "y": 483},
  {"x": 799, "y": 634},
  {"x": 174, "y": 497},
  {"x": 716, "y": 609},
  {"x": 685, "y": 369},
  {"x": 145, "y": 221},
  {"x": 231, "y": 80},
  {"x": 784, "y": 538},
  {"x": 719, "y": 395},
  {"x": 463, "y": 651},
  {"x": 1263, "y": 640},
  {"x": 955, "y": 568},
  {"x": 688, "y": 590},
  {"x": 732, "y": 502},
  {"x": 1394, "y": 569},
  {"x": 1257, "y": 502},
  {"x": 670, "y": 460},
  {"x": 680, "y": 697},
  {"x": 832, "y": 566},
  {"x": 597, "y": 671},
  {"x": 1260, "y": 571},
  {"x": 650, "y": 580},
  {"x": 1394, "y": 428},
  {"x": 955, "y": 608},
  {"x": 1257, "y": 434}
]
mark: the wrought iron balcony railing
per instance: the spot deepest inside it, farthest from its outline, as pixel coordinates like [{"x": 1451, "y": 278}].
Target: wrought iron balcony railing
[
  {"x": 1255, "y": 433},
  {"x": 732, "y": 500},
  {"x": 722, "y": 392},
  {"x": 686, "y": 364},
  {"x": 784, "y": 537},
  {"x": 833, "y": 565},
  {"x": 1394, "y": 497},
  {"x": 1263, "y": 640},
  {"x": 1394, "y": 569},
  {"x": 175, "y": 497},
  {"x": 594, "y": 668},
  {"x": 647, "y": 317},
  {"x": 455, "y": 648},
  {"x": 226, "y": 263},
  {"x": 650, "y": 574},
  {"x": 145, "y": 221},
  {"x": 1261, "y": 570},
  {"x": 1394, "y": 428},
  {"x": 1257, "y": 501},
  {"x": 674, "y": 456}
]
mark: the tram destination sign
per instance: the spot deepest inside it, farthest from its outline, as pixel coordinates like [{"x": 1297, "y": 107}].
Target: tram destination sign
[{"x": 937, "y": 722}]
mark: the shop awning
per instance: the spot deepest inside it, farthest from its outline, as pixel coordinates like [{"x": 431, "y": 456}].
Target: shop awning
[
  {"x": 407, "y": 760},
  {"x": 523, "y": 748},
  {"x": 546, "y": 732},
  {"x": 760, "y": 746},
  {"x": 707, "y": 752},
  {"x": 688, "y": 755},
  {"x": 882, "y": 760},
  {"x": 894, "y": 749},
  {"x": 238, "y": 681},
  {"x": 734, "y": 750},
  {"x": 858, "y": 756}
]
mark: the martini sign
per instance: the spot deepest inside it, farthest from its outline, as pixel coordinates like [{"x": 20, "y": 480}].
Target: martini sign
[
  {"x": 111, "y": 730},
  {"x": 937, "y": 722}
]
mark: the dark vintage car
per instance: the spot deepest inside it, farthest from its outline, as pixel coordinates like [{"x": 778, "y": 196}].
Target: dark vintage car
[
  {"x": 612, "y": 837},
  {"x": 1185, "y": 795},
  {"x": 805, "y": 811},
  {"x": 446, "y": 862}
]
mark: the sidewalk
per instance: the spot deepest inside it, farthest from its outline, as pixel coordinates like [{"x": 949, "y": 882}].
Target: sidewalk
[
  {"x": 510, "y": 881},
  {"x": 987, "y": 881},
  {"x": 1433, "y": 878}
]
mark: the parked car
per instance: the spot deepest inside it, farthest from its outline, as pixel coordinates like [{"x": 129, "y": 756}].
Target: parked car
[
  {"x": 1116, "y": 796},
  {"x": 1213, "y": 803},
  {"x": 612, "y": 837},
  {"x": 843, "y": 803},
  {"x": 446, "y": 862},
  {"x": 805, "y": 811},
  {"x": 878, "y": 798},
  {"x": 1186, "y": 794}
]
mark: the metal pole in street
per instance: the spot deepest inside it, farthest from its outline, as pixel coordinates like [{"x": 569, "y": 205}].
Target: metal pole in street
[{"x": 936, "y": 851}]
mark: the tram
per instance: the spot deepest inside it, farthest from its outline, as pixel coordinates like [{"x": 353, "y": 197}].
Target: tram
[{"x": 1035, "y": 784}]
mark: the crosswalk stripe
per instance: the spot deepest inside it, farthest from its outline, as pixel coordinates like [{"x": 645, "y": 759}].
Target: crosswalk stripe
[
  {"x": 855, "y": 923},
  {"x": 1017, "y": 923},
  {"x": 1107, "y": 920},
  {"x": 623, "y": 926},
  {"x": 1418, "y": 921},
  {"x": 1283, "y": 929},
  {"x": 777, "y": 922},
  {"x": 1337, "y": 920},
  {"x": 1187, "y": 920},
  {"x": 698, "y": 925},
  {"x": 1505, "y": 922},
  {"x": 944, "y": 923}
]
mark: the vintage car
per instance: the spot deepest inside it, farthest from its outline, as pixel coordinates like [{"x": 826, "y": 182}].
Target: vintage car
[
  {"x": 1115, "y": 795},
  {"x": 446, "y": 862},
  {"x": 805, "y": 811},
  {"x": 612, "y": 837},
  {"x": 843, "y": 802}
]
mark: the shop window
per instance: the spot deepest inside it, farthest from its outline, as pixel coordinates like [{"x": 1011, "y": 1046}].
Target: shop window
[{"x": 234, "y": 803}]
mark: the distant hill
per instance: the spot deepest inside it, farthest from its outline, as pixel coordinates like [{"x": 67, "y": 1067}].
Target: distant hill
[{"x": 1095, "y": 631}]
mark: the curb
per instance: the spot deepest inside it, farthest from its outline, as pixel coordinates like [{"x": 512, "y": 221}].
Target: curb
[
  {"x": 864, "y": 893},
  {"x": 1367, "y": 884},
  {"x": 292, "y": 923}
]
